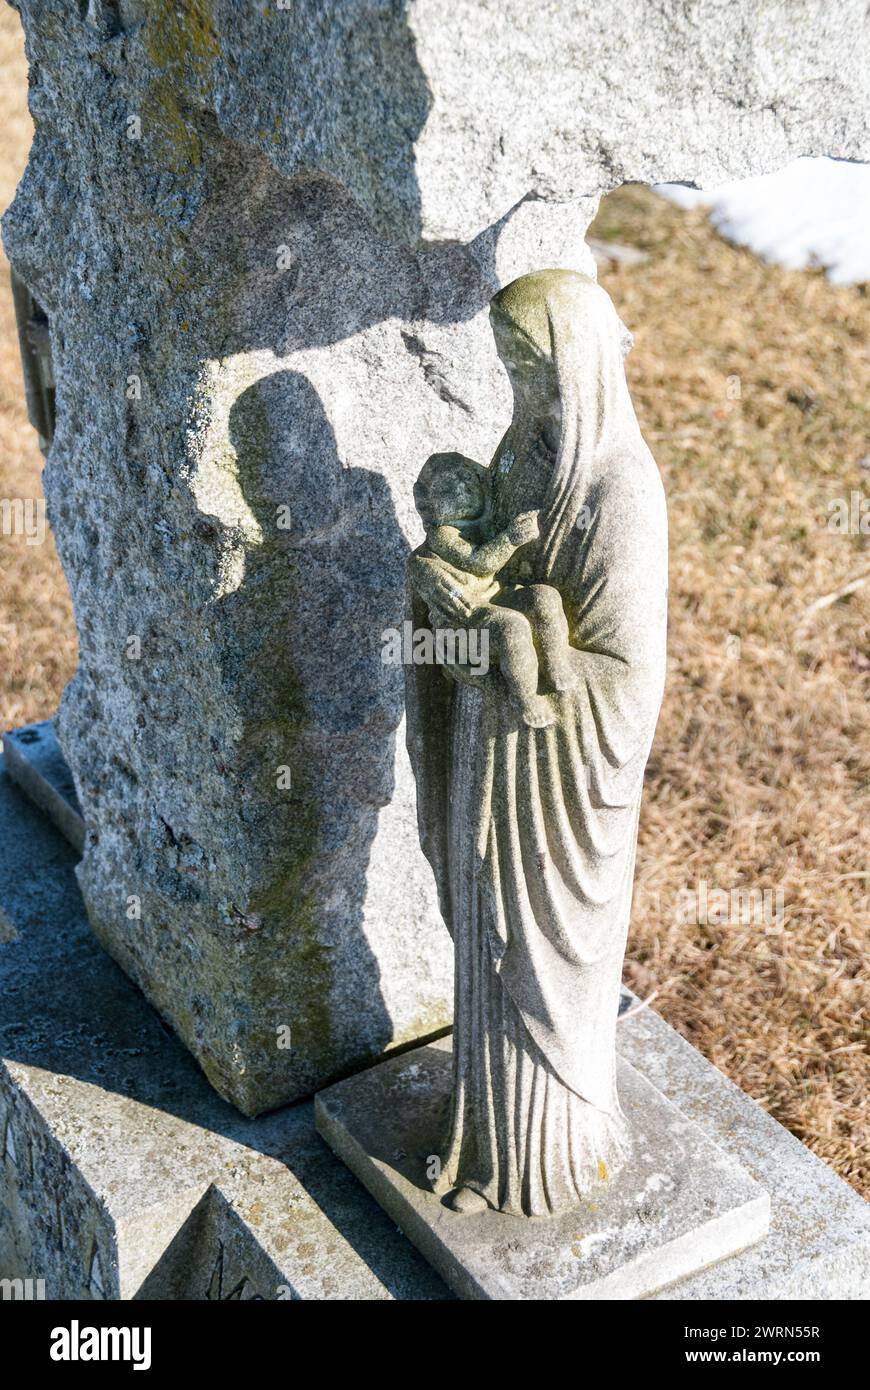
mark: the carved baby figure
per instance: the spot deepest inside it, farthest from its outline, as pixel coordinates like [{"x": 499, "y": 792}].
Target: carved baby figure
[{"x": 526, "y": 622}]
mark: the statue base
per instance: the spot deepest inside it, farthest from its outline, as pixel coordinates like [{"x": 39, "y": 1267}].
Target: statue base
[{"x": 679, "y": 1205}]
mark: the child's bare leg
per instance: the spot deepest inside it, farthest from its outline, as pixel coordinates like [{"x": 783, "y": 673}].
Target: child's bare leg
[
  {"x": 518, "y": 663},
  {"x": 550, "y": 627}
]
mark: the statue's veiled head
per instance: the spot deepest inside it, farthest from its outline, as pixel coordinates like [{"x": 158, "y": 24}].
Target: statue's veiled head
[
  {"x": 562, "y": 344},
  {"x": 536, "y": 318},
  {"x": 521, "y": 328}
]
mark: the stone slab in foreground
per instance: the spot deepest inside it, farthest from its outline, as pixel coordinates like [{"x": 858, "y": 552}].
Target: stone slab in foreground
[
  {"x": 35, "y": 762},
  {"x": 679, "y": 1205},
  {"x": 123, "y": 1175}
]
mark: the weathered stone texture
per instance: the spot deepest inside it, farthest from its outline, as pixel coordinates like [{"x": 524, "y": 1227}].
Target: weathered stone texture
[{"x": 265, "y": 239}]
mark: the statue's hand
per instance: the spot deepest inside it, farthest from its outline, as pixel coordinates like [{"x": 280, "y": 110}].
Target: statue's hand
[
  {"x": 450, "y": 600},
  {"x": 524, "y": 528},
  {"x": 439, "y": 589}
]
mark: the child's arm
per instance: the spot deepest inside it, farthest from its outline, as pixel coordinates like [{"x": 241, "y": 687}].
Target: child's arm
[{"x": 487, "y": 559}]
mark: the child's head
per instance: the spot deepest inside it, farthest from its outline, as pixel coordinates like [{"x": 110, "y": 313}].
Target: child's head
[{"x": 450, "y": 487}]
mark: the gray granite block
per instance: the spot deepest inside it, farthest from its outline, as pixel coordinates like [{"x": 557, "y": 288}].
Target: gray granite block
[
  {"x": 34, "y": 760},
  {"x": 265, "y": 238},
  {"x": 122, "y": 1173},
  {"x": 679, "y": 1204}
]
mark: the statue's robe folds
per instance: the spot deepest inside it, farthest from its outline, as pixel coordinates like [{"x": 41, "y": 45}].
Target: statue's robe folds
[{"x": 531, "y": 834}]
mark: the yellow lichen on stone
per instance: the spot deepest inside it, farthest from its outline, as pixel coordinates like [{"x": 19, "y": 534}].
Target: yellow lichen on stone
[{"x": 181, "y": 43}]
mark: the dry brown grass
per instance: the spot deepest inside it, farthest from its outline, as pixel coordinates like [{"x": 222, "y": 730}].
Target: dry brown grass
[
  {"x": 37, "y": 634},
  {"x": 761, "y": 767}
]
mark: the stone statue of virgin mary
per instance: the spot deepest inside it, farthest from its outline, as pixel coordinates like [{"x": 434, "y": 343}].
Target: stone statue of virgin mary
[{"x": 530, "y": 825}]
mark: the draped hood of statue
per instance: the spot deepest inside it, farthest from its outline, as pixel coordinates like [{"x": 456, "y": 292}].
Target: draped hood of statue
[{"x": 529, "y": 775}]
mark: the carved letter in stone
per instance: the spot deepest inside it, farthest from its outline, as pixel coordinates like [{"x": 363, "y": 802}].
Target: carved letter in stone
[{"x": 529, "y": 776}]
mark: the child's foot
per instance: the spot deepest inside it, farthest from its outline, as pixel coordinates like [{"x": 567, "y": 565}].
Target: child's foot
[
  {"x": 536, "y": 713},
  {"x": 563, "y": 674}
]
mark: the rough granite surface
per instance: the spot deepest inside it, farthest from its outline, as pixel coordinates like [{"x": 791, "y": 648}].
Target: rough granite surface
[
  {"x": 265, "y": 238},
  {"x": 122, "y": 1174}
]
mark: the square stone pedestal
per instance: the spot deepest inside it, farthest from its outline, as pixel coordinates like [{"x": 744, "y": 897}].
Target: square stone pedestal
[{"x": 678, "y": 1206}]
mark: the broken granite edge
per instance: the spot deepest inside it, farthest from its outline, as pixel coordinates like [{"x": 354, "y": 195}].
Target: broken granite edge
[{"x": 96, "y": 1233}]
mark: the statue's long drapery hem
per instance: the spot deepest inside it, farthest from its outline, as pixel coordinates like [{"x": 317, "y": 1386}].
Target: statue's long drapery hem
[
  {"x": 535, "y": 1121},
  {"x": 522, "y": 1138}
]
